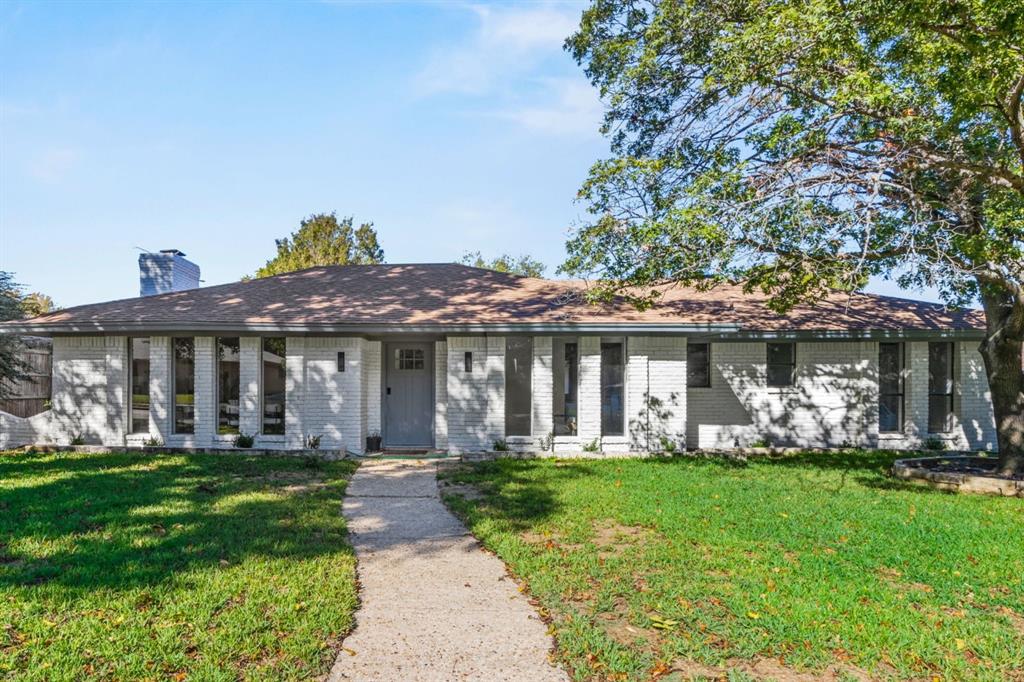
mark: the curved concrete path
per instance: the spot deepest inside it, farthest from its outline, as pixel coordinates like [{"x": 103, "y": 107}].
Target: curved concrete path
[{"x": 434, "y": 606}]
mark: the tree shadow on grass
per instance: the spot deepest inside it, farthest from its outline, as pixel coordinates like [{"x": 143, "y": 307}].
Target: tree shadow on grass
[
  {"x": 126, "y": 521},
  {"x": 869, "y": 468},
  {"x": 512, "y": 490}
]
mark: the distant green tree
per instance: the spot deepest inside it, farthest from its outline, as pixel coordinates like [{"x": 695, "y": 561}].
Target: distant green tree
[
  {"x": 12, "y": 367},
  {"x": 324, "y": 240},
  {"x": 36, "y": 303},
  {"x": 523, "y": 265}
]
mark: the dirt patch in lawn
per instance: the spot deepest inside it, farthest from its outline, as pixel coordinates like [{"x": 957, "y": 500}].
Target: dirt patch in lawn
[
  {"x": 463, "y": 490},
  {"x": 613, "y": 538},
  {"x": 1016, "y": 620}
]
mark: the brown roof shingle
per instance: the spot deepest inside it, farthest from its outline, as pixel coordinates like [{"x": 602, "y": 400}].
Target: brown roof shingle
[{"x": 452, "y": 295}]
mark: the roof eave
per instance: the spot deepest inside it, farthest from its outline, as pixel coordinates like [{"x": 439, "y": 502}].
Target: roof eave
[{"x": 723, "y": 332}]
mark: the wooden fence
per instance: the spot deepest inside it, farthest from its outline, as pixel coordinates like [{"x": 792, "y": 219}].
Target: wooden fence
[{"x": 31, "y": 395}]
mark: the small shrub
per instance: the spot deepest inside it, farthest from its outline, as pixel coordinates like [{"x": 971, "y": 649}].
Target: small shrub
[
  {"x": 153, "y": 442},
  {"x": 761, "y": 443},
  {"x": 934, "y": 443},
  {"x": 313, "y": 442},
  {"x": 77, "y": 439},
  {"x": 500, "y": 445},
  {"x": 312, "y": 462},
  {"x": 669, "y": 445},
  {"x": 244, "y": 440},
  {"x": 547, "y": 442},
  {"x": 592, "y": 446}
]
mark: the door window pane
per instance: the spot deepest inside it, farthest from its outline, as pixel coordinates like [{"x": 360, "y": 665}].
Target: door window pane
[
  {"x": 890, "y": 387},
  {"x": 139, "y": 349},
  {"x": 228, "y": 383},
  {"x": 409, "y": 358},
  {"x": 698, "y": 365},
  {"x": 781, "y": 364},
  {"x": 564, "y": 374},
  {"x": 940, "y": 387},
  {"x": 273, "y": 384},
  {"x": 184, "y": 385},
  {"x": 518, "y": 386},
  {"x": 613, "y": 410}
]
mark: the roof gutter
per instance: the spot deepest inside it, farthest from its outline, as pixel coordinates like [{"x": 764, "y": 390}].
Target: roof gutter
[
  {"x": 58, "y": 328},
  {"x": 717, "y": 332}
]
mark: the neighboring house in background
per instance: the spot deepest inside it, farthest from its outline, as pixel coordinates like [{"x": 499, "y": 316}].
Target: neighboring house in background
[{"x": 451, "y": 357}]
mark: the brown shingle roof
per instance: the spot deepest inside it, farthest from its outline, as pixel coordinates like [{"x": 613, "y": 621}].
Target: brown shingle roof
[{"x": 452, "y": 295}]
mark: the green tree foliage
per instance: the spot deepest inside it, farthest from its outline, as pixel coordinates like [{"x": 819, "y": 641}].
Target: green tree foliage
[
  {"x": 37, "y": 303},
  {"x": 324, "y": 240},
  {"x": 11, "y": 366},
  {"x": 802, "y": 146},
  {"x": 523, "y": 265}
]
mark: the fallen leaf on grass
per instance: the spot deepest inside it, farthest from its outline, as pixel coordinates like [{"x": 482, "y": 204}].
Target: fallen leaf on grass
[{"x": 663, "y": 623}]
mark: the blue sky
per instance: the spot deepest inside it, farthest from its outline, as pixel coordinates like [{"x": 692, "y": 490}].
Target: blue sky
[{"x": 214, "y": 127}]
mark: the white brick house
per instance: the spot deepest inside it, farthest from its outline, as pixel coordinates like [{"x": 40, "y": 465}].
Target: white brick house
[{"x": 455, "y": 358}]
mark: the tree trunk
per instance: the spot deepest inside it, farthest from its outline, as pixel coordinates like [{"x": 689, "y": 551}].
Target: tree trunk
[{"x": 1003, "y": 351}]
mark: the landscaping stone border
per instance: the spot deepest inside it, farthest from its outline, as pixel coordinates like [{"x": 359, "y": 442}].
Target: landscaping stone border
[{"x": 922, "y": 470}]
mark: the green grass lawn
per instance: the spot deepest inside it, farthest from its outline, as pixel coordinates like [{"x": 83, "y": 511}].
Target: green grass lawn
[
  {"x": 126, "y": 566},
  {"x": 816, "y": 564}
]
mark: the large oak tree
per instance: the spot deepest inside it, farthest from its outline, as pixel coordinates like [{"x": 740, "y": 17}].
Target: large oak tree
[{"x": 801, "y": 146}]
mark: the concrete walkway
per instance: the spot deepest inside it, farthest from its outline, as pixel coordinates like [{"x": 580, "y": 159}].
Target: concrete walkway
[{"x": 434, "y": 606}]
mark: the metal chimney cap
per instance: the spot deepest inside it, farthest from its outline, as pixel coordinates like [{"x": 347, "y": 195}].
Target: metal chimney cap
[{"x": 173, "y": 252}]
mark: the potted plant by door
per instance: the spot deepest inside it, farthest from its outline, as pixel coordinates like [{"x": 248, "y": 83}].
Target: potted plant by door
[{"x": 373, "y": 442}]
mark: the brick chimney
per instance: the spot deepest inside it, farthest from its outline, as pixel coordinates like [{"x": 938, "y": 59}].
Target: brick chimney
[{"x": 166, "y": 271}]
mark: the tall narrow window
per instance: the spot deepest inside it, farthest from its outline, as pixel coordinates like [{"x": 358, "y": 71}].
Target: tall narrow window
[
  {"x": 940, "y": 387},
  {"x": 518, "y": 387},
  {"x": 698, "y": 365},
  {"x": 564, "y": 373},
  {"x": 613, "y": 409},
  {"x": 890, "y": 387},
  {"x": 273, "y": 384},
  {"x": 228, "y": 382},
  {"x": 781, "y": 364},
  {"x": 184, "y": 385},
  {"x": 138, "y": 347}
]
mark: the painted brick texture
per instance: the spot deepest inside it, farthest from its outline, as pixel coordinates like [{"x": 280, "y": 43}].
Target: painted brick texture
[{"x": 832, "y": 403}]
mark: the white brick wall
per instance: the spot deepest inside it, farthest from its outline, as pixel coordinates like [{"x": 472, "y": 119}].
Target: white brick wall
[
  {"x": 161, "y": 396},
  {"x": 250, "y": 358},
  {"x": 476, "y": 405},
  {"x": 833, "y": 402},
  {"x": 656, "y": 392},
  {"x": 333, "y": 401},
  {"x": 589, "y": 394},
  {"x": 371, "y": 381},
  {"x": 296, "y": 410},
  {"x": 975, "y": 408},
  {"x": 89, "y": 392},
  {"x": 206, "y": 391},
  {"x": 542, "y": 388},
  {"x": 441, "y": 395}
]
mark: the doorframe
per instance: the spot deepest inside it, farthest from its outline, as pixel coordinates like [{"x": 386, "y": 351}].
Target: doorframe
[{"x": 385, "y": 363}]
